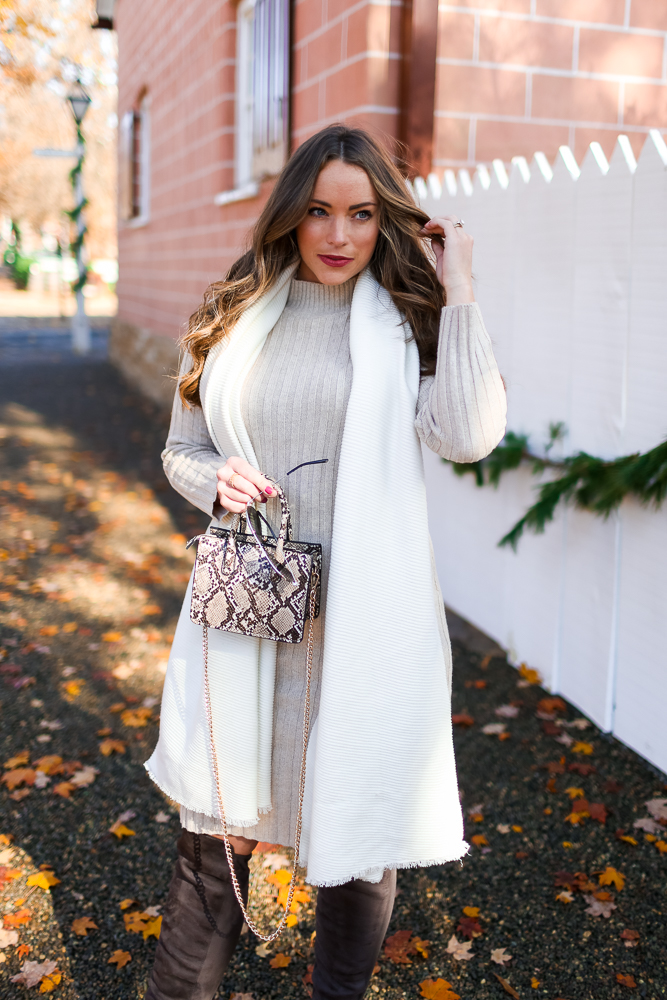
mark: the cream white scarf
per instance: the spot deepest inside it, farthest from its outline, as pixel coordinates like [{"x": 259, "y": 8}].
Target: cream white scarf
[{"x": 381, "y": 778}]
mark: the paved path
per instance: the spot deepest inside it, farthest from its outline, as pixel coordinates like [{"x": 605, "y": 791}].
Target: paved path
[{"x": 92, "y": 572}]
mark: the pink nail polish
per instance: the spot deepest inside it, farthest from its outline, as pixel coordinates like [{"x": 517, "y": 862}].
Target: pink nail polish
[{"x": 268, "y": 491}]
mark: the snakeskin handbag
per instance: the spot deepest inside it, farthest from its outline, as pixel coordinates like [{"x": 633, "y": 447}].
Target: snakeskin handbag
[{"x": 255, "y": 585}]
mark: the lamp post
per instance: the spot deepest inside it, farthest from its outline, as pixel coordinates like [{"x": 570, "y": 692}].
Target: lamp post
[{"x": 79, "y": 101}]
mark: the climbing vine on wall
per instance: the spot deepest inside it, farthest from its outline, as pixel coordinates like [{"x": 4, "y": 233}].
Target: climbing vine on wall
[{"x": 582, "y": 480}]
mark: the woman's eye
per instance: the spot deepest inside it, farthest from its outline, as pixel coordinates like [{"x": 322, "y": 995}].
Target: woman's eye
[
  {"x": 316, "y": 212},
  {"x": 363, "y": 215}
]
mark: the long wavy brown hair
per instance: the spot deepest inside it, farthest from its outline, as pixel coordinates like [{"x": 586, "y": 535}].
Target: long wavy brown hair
[{"x": 401, "y": 261}]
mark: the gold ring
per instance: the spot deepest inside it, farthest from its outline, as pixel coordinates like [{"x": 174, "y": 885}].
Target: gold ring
[
  {"x": 230, "y": 481},
  {"x": 460, "y": 224}
]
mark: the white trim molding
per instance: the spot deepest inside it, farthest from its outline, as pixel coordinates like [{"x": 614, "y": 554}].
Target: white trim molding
[{"x": 242, "y": 193}]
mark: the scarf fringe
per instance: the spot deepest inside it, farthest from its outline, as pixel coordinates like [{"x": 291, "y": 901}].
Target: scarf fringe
[
  {"x": 231, "y": 821},
  {"x": 399, "y": 865}
]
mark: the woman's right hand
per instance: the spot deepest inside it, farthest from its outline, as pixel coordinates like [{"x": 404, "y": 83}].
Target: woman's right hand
[{"x": 246, "y": 484}]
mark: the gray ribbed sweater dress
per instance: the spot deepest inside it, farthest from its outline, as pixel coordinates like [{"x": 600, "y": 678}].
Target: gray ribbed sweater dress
[{"x": 294, "y": 402}]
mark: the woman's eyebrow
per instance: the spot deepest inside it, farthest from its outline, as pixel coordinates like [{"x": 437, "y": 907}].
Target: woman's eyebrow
[{"x": 352, "y": 208}]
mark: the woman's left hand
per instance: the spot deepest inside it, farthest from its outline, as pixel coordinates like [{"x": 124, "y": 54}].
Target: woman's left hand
[{"x": 453, "y": 258}]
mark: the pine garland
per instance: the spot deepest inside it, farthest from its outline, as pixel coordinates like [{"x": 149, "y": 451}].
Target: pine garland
[
  {"x": 587, "y": 482},
  {"x": 76, "y": 245}
]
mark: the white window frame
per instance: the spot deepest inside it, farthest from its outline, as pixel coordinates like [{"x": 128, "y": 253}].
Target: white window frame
[{"x": 127, "y": 138}]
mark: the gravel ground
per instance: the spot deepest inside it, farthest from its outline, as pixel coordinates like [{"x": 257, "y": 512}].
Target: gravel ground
[{"x": 92, "y": 572}]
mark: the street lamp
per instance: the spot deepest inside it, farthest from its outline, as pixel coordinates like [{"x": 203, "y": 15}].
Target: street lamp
[{"x": 79, "y": 101}]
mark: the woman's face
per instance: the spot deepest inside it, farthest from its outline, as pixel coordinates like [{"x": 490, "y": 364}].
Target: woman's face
[{"x": 338, "y": 235}]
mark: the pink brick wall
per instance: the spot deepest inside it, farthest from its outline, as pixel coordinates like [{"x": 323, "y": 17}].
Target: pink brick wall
[{"x": 516, "y": 76}]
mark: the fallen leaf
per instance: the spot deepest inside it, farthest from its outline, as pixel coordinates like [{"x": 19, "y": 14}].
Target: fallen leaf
[
  {"x": 662, "y": 846},
  {"x": 630, "y": 938},
  {"x": 657, "y": 808},
  {"x": 397, "y": 948},
  {"x": 598, "y": 812},
  {"x": 22, "y": 951},
  {"x": 612, "y": 786},
  {"x": 119, "y": 959},
  {"x": 44, "y": 880},
  {"x": 565, "y": 896},
  {"x": 50, "y": 764},
  {"x": 8, "y": 875},
  {"x": 21, "y": 793},
  {"x": 421, "y": 946},
  {"x": 626, "y": 981},
  {"x": 135, "y": 717},
  {"x": 19, "y": 760},
  {"x": 647, "y": 824},
  {"x": 575, "y": 793},
  {"x": 500, "y": 956},
  {"x": 581, "y": 747},
  {"x": 117, "y": 707},
  {"x": 152, "y": 928},
  {"x": 529, "y": 675},
  {"x": 503, "y": 828},
  {"x": 162, "y": 817},
  {"x": 598, "y": 908},
  {"x": 534, "y": 982},
  {"x": 32, "y": 972},
  {"x": 438, "y": 989},
  {"x": 120, "y": 830},
  {"x": 292, "y": 920},
  {"x": 507, "y": 711},
  {"x": 125, "y": 904},
  {"x": 64, "y": 789},
  {"x": 49, "y": 983},
  {"x": 241, "y": 996},
  {"x": 281, "y": 961},
  {"x": 152, "y": 911},
  {"x": 112, "y": 636},
  {"x": 469, "y": 927},
  {"x": 517, "y": 829},
  {"x": 82, "y": 925},
  {"x": 620, "y": 835},
  {"x": 459, "y": 950},
  {"x": 471, "y": 911},
  {"x": 107, "y": 731},
  {"x": 583, "y": 769},
  {"x": 281, "y": 877},
  {"x": 551, "y": 706},
  {"x": 262, "y": 950},
  {"x": 494, "y": 728},
  {"x": 73, "y": 688},
  {"x": 151, "y": 609},
  {"x": 463, "y": 719},
  {"x": 17, "y": 919},
  {"x": 612, "y": 877},
  {"x": 477, "y": 817},
  {"x": 479, "y": 840},
  {"x": 8, "y": 938},
  {"x": 48, "y": 630},
  {"x": 506, "y": 986},
  {"x": 19, "y": 776},
  {"x": 69, "y": 627},
  {"x": 84, "y": 777},
  {"x": 107, "y": 747}
]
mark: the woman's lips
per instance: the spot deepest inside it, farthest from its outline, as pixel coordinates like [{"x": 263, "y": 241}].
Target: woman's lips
[{"x": 331, "y": 260}]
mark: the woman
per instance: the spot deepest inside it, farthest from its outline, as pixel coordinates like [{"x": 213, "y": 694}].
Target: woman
[{"x": 334, "y": 337}]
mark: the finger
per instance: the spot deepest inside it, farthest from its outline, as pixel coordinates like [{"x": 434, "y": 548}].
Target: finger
[{"x": 259, "y": 482}]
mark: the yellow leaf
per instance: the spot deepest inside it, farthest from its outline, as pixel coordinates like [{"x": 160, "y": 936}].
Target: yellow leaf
[
  {"x": 19, "y": 760},
  {"x": 479, "y": 840},
  {"x": 48, "y": 983},
  {"x": 64, "y": 789},
  {"x": 471, "y": 911},
  {"x": 581, "y": 747},
  {"x": 120, "y": 830},
  {"x": 574, "y": 793},
  {"x": 50, "y": 764},
  {"x": 534, "y": 983},
  {"x": 107, "y": 747},
  {"x": 119, "y": 959},
  {"x": 125, "y": 904},
  {"x": 73, "y": 688},
  {"x": 651, "y": 839},
  {"x": 421, "y": 946},
  {"x": 95, "y": 505},
  {"x": 281, "y": 877},
  {"x": 49, "y": 630},
  {"x": 532, "y": 676},
  {"x": 292, "y": 920},
  {"x": 438, "y": 989},
  {"x": 629, "y": 840},
  {"x": 112, "y": 636},
  {"x": 136, "y": 717},
  {"x": 612, "y": 877},
  {"x": 281, "y": 961},
  {"x": 69, "y": 627},
  {"x": 577, "y": 817},
  {"x": 662, "y": 846},
  {"x": 518, "y": 829},
  {"x": 567, "y": 843},
  {"x": 43, "y": 880},
  {"x": 152, "y": 928}
]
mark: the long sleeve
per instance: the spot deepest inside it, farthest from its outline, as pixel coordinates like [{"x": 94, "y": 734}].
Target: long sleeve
[
  {"x": 462, "y": 409},
  {"x": 189, "y": 459}
]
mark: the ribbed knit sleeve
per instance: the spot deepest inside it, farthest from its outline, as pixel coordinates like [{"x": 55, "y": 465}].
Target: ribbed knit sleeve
[
  {"x": 189, "y": 459},
  {"x": 462, "y": 409}
]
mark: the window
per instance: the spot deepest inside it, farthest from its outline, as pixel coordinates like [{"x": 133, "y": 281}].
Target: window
[
  {"x": 262, "y": 89},
  {"x": 134, "y": 167}
]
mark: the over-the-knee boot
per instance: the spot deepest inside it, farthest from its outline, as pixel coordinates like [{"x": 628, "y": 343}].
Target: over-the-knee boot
[
  {"x": 202, "y": 921},
  {"x": 351, "y": 922}
]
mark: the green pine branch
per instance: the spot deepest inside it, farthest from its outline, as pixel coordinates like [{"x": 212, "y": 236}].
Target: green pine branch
[{"x": 587, "y": 482}]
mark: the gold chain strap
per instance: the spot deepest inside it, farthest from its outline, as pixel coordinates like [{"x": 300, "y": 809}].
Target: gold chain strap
[{"x": 302, "y": 779}]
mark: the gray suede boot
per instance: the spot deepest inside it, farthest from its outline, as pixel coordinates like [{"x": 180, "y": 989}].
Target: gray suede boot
[
  {"x": 202, "y": 921},
  {"x": 351, "y": 922}
]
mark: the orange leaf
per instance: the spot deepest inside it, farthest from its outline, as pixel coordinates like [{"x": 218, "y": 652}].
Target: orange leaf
[
  {"x": 471, "y": 911},
  {"x": 64, "y": 789},
  {"x": 70, "y": 627},
  {"x": 626, "y": 981},
  {"x": 152, "y": 928},
  {"x": 49, "y": 630},
  {"x": 551, "y": 705},
  {"x": 48, "y": 983},
  {"x": 22, "y": 951},
  {"x": 281, "y": 961},
  {"x": 18, "y": 918},
  {"x": 151, "y": 609},
  {"x": 49, "y": 765},
  {"x": 662, "y": 846},
  {"x": 44, "y": 880},
  {"x": 581, "y": 747},
  {"x": 19, "y": 760},
  {"x": 119, "y": 959},
  {"x": 120, "y": 830},
  {"x": 125, "y": 904},
  {"x": 136, "y": 717},
  {"x": 479, "y": 840},
  {"x": 438, "y": 989},
  {"x": 281, "y": 877},
  {"x": 462, "y": 719},
  {"x": 532, "y": 676},
  {"x": 20, "y": 776},
  {"x": 398, "y": 947},
  {"x": 112, "y": 636},
  {"x": 107, "y": 747},
  {"x": 612, "y": 877},
  {"x": 82, "y": 925},
  {"x": 118, "y": 706}
]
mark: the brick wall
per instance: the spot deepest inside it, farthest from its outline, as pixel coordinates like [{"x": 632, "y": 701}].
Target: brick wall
[{"x": 516, "y": 76}]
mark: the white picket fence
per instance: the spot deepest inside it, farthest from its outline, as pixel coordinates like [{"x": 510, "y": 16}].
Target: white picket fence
[{"x": 571, "y": 269}]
